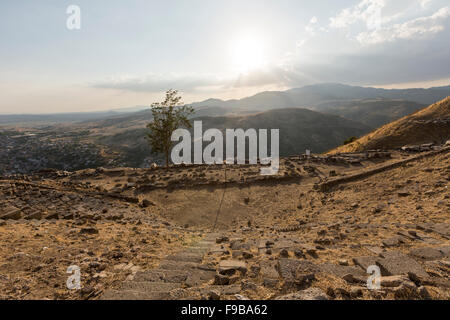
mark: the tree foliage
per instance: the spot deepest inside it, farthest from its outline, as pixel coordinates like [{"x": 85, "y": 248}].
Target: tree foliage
[
  {"x": 168, "y": 116},
  {"x": 350, "y": 140}
]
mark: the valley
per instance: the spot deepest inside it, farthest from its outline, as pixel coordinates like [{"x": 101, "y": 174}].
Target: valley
[{"x": 318, "y": 118}]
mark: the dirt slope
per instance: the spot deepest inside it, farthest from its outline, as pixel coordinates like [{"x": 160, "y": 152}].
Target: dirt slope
[{"x": 431, "y": 124}]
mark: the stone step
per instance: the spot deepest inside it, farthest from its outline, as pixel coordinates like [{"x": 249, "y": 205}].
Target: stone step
[
  {"x": 365, "y": 261},
  {"x": 196, "y": 250},
  {"x": 204, "y": 244},
  {"x": 217, "y": 249},
  {"x": 224, "y": 290},
  {"x": 135, "y": 295},
  {"x": 443, "y": 229},
  {"x": 198, "y": 277},
  {"x": 34, "y": 215},
  {"x": 445, "y": 251},
  {"x": 212, "y": 237},
  {"x": 341, "y": 271},
  {"x": 426, "y": 253},
  {"x": 147, "y": 286},
  {"x": 396, "y": 263},
  {"x": 186, "y": 256},
  {"x": 191, "y": 278},
  {"x": 160, "y": 275},
  {"x": 181, "y": 268},
  {"x": 11, "y": 213},
  {"x": 176, "y": 265}
]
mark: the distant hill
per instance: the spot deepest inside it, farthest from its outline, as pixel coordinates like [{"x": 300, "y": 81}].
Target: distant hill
[
  {"x": 52, "y": 118},
  {"x": 348, "y": 101},
  {"x": 431, "y": 124},
  {"x": 373, "y": 112},
  {"x": 300, "y": 129},
  {"x": 37, "y": 119},
  {"x": 311, "y": 96}
]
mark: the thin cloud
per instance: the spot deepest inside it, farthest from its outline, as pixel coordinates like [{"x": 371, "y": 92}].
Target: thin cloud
[
  {"x": 317, "y": 58},
  {"x": 160, "y": 82},
  {"x": 425, "y": 3},
  {"x": 367, "y": 11},
  {"x": 413, "y": 29}
]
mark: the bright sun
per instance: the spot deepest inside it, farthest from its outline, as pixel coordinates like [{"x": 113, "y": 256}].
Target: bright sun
[{"x": 248, "y": 53}]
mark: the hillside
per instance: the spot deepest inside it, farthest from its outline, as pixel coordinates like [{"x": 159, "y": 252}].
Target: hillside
[
  {"x": 149, "y": 233},
  {"x": 300, "y": 129},
  {"x": 429, "y": 125},
  {"x": 372, "y": 112}
]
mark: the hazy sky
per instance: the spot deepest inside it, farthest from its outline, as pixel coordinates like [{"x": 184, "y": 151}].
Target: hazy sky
[{"x": 128, "y": 53}]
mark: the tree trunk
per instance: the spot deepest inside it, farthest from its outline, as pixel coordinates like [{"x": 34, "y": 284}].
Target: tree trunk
[{"x": 167, "y": 159}]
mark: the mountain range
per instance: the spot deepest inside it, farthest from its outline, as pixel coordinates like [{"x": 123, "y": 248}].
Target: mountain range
[{"x": 314, "y": 95}]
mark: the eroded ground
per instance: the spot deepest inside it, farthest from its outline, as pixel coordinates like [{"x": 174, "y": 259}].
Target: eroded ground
[{"x": 143, "y": 234}]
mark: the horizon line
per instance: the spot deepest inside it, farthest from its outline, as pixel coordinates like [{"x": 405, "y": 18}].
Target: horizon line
[{"x": 400, "y": 86}]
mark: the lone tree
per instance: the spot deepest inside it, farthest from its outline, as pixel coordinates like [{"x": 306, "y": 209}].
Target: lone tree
[{"x": 168, "y": 116}]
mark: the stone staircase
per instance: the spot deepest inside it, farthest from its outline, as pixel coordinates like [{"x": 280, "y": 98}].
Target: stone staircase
[{"x": 172, "y": 279}]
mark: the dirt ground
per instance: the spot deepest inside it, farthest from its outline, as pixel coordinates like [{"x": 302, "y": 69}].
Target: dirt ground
[{"x": 114, "y": 223}]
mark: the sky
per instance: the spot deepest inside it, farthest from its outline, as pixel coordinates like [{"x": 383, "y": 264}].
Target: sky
[{"x": 128, "y": 53}]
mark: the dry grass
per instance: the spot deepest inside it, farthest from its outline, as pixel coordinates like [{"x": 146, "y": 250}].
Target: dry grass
[{"x": 412, "y": 129}]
